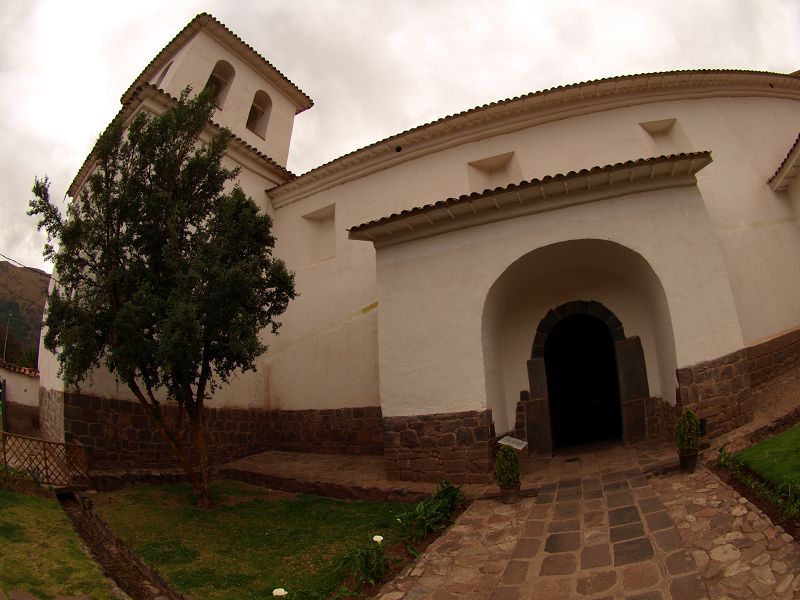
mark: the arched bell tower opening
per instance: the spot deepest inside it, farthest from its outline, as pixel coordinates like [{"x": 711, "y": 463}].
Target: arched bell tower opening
[{"x": 582, "y": 384}]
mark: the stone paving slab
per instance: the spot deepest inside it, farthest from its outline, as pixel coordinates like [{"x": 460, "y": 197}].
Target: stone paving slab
[
  {"x": 597, "y": 529},
  {"x": 674, "y": 536},
  {"x": 364, "y": 477},
  {"x": 737, "y": 549}
]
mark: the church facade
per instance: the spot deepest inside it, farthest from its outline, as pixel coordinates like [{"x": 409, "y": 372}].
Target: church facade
[{"x": 569, "y": 266}]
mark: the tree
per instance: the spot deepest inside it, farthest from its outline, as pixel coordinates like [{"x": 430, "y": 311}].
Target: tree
[{"x": 163, "y": 277}]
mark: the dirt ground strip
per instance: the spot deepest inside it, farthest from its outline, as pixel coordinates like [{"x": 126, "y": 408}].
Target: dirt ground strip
[{"x": 114, "y": 563}]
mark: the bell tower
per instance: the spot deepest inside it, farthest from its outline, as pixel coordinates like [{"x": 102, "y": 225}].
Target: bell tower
[{"x": 254, "y": 100}]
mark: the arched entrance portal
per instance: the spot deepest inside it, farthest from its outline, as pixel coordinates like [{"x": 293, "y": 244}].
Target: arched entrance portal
[
  {"x": 582, "y": 385},
  {"x": 588, "y": 382}
]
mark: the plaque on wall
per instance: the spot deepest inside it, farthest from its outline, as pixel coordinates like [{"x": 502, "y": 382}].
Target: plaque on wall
[{"x": 515, "y": 443}]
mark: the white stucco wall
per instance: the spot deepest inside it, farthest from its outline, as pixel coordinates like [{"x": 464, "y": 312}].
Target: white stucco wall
[
  {"x": 193, "y": 65},
  {"x": 20, "y": 388},
  {"x": 432, "y": 293},
  {"x": 726, "y": 246},
  {"x": 544, "y": 279},
  {"x": 244, "y": 390},
  {"x": 752, "y": 249},
  {"x": 326, "y": 355}
]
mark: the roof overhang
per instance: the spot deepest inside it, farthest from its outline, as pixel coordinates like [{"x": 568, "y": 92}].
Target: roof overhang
[
  {"x": 27, "y": 371},
  {"x": 235, "y": 44},
  {"x": 534, "y": 196},
  {"x": 536, "y": 108},
  {"x": 788, "y": 169},
  {"x": 149, "y": 97}
]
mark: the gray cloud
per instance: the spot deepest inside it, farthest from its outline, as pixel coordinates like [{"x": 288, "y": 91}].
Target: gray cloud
[{"x": 373, "y": 68}]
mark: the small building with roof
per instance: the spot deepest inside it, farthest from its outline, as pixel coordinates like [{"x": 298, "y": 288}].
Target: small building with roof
[{"x": 570, "y": 266}]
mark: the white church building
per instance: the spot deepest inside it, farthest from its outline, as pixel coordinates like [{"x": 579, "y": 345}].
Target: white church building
[{"x": 572, "y": 265}]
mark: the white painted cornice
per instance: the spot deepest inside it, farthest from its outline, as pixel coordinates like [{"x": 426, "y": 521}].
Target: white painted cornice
[
  {"x": 534, "y": 109},
  {"x": 226, "y": 37},
  {"x": 788, "y": 169},
  {"x": 155, "y": 101},
  {"x": 531, "y": 197}
]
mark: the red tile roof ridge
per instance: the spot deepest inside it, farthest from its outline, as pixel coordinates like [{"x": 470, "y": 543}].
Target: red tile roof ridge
[
  {"x": 533, "y": 182},
  {"x": 122, "y": 114},
  {"x": 785, "y": 158},
  {"x": 197, "y": 23},
  {"x": 287, "y": 187},
  {"x": 18, "y": 369}
]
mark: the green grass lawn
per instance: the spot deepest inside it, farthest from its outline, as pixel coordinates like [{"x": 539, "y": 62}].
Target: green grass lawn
[
  {"x": 252, "y": 542},
  {"x": 40, "y": 552},
  {"x": 776, "y": 459}
]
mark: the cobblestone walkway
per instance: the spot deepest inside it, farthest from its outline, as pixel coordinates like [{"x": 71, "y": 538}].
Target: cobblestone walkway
[
  {"x": 737, "y": 549},
  {"x": 603, "y": 530}
]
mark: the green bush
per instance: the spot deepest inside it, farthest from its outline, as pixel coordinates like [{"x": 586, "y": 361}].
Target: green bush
[
  {"x": 506, "y": 467},
  {"x": 687, "y": 433},
  {"x": 431, "y": 514},
  {"x": 367, "y": 564}
]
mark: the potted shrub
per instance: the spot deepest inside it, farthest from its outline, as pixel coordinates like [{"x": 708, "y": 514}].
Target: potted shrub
[
  {"x": 506, "y": 474},
  {"x": 687, "y": 436}
]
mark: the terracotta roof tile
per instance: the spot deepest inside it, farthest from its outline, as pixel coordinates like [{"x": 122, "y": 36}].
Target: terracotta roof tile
[
  {"x": 560, "y": 177},
  {"x": 302, "y": 99},
  {"x": 789, "y": 164},
  {"x": 666, "y": 78},
  {"x": 125, "y": 112},
  {"x": 17, "y": 369}
]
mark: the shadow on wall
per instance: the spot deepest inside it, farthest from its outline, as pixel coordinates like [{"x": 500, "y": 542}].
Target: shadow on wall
[
  {"x": 22, "y": 419},
  {"x": 550, "y": 276}
]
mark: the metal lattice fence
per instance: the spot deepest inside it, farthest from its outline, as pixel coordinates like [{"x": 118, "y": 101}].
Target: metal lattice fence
[{"x": 45, "y": 462}]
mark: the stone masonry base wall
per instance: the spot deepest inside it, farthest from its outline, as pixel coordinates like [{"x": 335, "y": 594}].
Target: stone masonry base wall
[
  {"x": 51, "y": 414},
  {"x": 118, "y": 434},
  {"x": 659, "y": 418},
  {"x": 22, "y": 419},
  {"x": 773, "y": 357},
  {"x": 658, "y": 423},
  {"x": 718, "y": 391},
  {"x": 454, "y": 446}
]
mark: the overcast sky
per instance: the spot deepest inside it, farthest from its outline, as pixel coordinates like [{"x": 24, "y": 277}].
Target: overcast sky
[{"x": 373, "y": 67}]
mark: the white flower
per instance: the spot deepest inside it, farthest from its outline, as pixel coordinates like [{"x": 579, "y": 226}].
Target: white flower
[
  {"x": 399, "y": 520},
  {"x": 279, "y": 592},
  {"x": 377, "y": 538}
]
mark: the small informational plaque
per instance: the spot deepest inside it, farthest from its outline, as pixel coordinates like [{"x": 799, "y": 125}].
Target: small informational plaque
[{"x": 513, "y": 442}]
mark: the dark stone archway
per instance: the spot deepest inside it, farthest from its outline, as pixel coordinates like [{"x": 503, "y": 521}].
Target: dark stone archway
[
  {"x": 623, "y": 359},
  {"x": 576, "y": 307}
]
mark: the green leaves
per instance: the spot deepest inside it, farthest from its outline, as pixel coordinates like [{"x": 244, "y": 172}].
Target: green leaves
[
  {"x": 367, "y": 564},
  {"x": 506, "y": 466},
  {"x": 163, "y": 276},
  {"x": 431, "y": 514},
  {"x": 687, "y": 432}
]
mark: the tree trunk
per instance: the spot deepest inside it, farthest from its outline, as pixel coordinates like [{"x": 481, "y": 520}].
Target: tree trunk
[
  {"x": 199, "y": 481},
  {"x": 184, "y": 458},
  {"x": 202, "y": 488}
]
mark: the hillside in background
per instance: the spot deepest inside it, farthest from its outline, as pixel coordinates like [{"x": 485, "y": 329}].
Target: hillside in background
[{"x": 22, "y": 298}]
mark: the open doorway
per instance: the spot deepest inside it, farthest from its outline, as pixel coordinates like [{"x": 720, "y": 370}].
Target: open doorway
[{"x": 582, "y": 381}]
